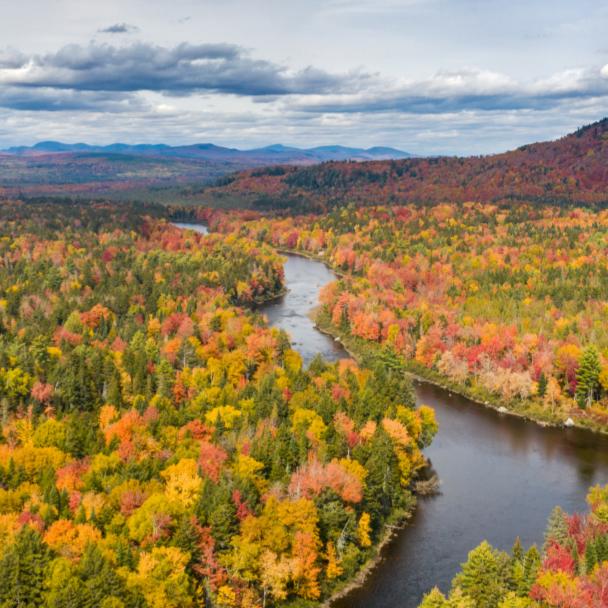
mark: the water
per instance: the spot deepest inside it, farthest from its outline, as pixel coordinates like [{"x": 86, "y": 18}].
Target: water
[
  {"x": 500, "y": 476},
  {"x": 304, "y": 279},
  {"x": 200, "y": 228}
]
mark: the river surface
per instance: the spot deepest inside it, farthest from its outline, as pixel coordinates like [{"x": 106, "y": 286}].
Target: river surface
[
  {"x": 200, "y": 228},
  {"x": 500, "y": 475}
]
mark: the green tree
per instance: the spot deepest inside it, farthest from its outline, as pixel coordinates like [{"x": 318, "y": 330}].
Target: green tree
[
  {"x": 542, "y": 384},
  {"x": 587, "y": 377},
  {"x": 485, "y": 576},
  {"x": 434, "y": 599},
  {"x": 22, "y": 571},
  {"x": 557, "y": 528}
]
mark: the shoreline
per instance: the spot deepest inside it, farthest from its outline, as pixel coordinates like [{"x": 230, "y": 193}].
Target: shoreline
[
  {"x": 492, "y": 402},
  {"x": 389, "y": 534},
  {"x": 500, "y": 408},
  {"x": 356, "y": 351}
]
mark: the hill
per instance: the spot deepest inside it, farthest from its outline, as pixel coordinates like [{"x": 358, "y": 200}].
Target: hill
[
  {"x": 131, "y": 171},
  {"x": 573, "y": 169}
]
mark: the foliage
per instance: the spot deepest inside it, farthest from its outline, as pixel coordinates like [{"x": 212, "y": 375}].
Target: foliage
[
  {"x": 500, "y": 302},
  {"x": 161, "y": 446},
  {"x": 569, "y": 170}
]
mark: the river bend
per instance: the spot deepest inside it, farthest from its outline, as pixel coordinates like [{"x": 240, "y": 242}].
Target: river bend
[{"x": 500, "y": 475}]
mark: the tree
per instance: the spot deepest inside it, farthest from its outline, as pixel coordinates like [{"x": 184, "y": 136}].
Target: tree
[
  {"x": 434, "y": 599},
  {"x": 557, "y": 528},
  {"x": 161, "y": 578},
  {"x": 542, "y": 385},
  {"x": 484, "y": 576},
  {"x": 587, "y": 377},
  {"x": 363, "y": 530},
  {"x": 22, "y": 570}
]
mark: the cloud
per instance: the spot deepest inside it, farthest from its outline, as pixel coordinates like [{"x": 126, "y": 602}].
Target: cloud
[
  {"x": 371, "y": 7},
  {"x": 221, "y": 92},
  {"x": 119, "y": 28},
  {"x": 181, "y": 70},
  {"x": 54, "y": 100},
  {"x": 461, "y": 91},
  {"x": 11, "y": 59}
]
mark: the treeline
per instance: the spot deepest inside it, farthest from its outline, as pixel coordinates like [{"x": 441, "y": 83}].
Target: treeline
[{"x": 160, "y": 445}]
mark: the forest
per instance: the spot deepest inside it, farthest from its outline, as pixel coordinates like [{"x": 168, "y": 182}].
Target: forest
[
  {"x": 506, "y": 305},
  {"x": 570, "y": 170},
  {"x": 161, "y": 445}
]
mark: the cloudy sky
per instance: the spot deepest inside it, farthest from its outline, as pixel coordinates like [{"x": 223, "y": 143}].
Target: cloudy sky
[{"x": 427, "y": 76}]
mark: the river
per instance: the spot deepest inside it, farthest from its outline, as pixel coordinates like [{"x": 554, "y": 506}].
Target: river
[{"x": 500, "y": 475}]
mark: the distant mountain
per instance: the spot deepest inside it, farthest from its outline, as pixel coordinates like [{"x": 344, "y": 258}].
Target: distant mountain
[
  {"x": 573, "y": 169},
  {"x": 144, "y": 170},
  {"x": 276, "y": 153}
]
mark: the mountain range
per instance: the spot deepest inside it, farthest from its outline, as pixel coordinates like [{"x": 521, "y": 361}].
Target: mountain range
[
  {"x": 274, "y": 154},
  {"x": 569, "y": 170}
]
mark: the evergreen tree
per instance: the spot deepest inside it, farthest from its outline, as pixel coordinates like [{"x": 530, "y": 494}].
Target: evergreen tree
[
  {"x": 587, "y": 377},
  {"x": 590, "y": 557},
  {"x": 484, "y": 576},
  {"x": 517, "y": 551},
  {"x": 22, "y": 571},
  {"x": 99, "y": 577},
  {"x": 187, "y": 539},
  {"x": 557, "y": 528},
  {"x": 542, "y": 385},
  {"x": 531, "y": 565}
]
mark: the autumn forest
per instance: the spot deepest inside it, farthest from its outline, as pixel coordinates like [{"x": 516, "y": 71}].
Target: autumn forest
[{"x": 163, "y": 445}]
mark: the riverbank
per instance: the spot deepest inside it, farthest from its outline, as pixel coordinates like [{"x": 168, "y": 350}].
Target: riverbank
[
  {"x": 360, "y": 350},
  {"x": 390, "y": 532},
  {"x": 521, "y": 470},
  {"x": 527, "y": 409}
]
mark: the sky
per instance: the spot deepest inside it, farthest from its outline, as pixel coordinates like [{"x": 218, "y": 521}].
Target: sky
[{"x": 426, "y": 76}]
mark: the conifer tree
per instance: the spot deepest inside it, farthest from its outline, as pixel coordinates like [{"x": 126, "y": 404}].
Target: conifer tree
[
  {"x": 587, "y": 377},
  {"x": 22, "y": 569},
  {"x": 542, "y": 385},
  {"x": 484, "y": 576},
  {"x": 557, "y": 528}
]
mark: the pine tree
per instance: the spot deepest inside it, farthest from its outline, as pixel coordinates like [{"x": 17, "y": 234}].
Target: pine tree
[
  {"x": 531, "y": 564},
  {"x": 99, "y": 577},
  {"x": 22, "y": 570},
  {"x": 601, "y": 548},
  {"x": 590, "y": 557},
  {"x": 484, "y": 576},
  {"x": 557, "y": 528},
  {"x": 587, "y": 377},
  {"x": 517, "y": 551},
  {"x": 542, "y": 385},
  {"x": 187, "y": 539}
]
